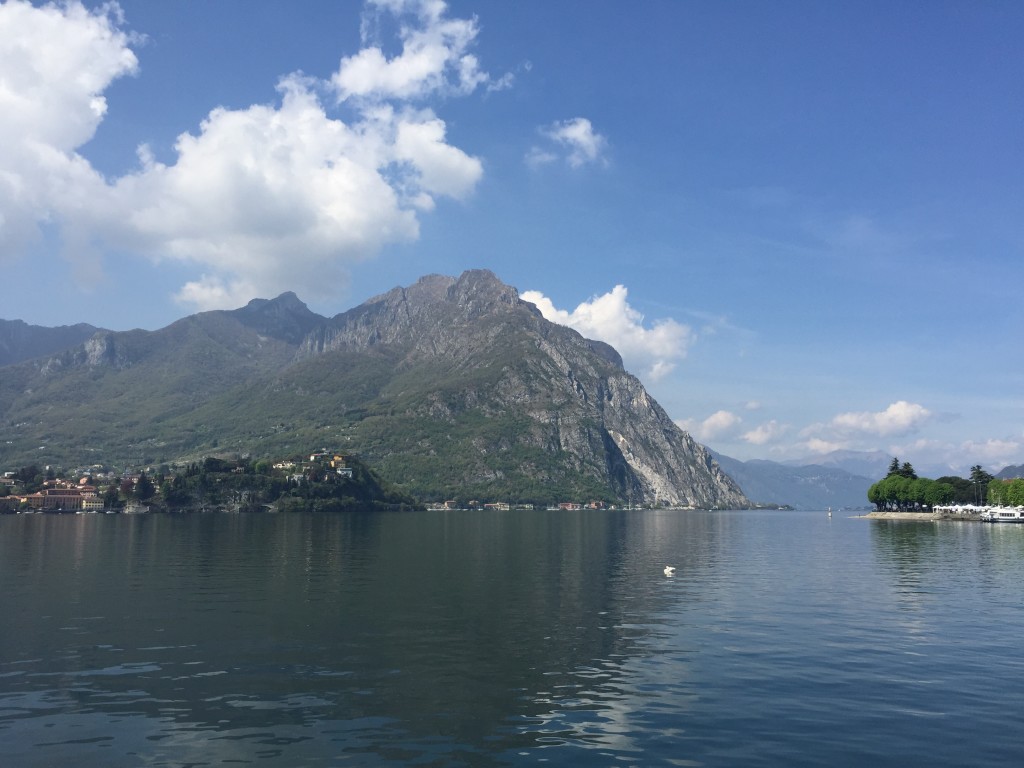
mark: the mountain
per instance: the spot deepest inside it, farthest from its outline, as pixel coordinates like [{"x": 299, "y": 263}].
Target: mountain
[
  {"x": 811, "y": 486},
  {"x": 450, "y": 388},
  {"x": 875, "y": 464},
  {"x": 1011, "y": 472},
  {"x": 863, "y": 463},
  {"x": 21, "y": 341}
]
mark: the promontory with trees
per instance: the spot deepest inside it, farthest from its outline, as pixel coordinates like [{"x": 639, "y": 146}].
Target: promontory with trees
[{"x": 901, "y": 490}]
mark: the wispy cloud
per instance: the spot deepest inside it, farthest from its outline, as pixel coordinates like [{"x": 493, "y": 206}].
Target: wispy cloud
[
  {"x": 259, "y": 199},
  {"x": 993, "y": 452},
  {"x": 574, "y": 140},
  {"x": 611, "y": 319}
]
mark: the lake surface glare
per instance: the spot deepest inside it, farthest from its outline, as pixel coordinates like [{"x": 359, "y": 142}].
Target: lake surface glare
[{"x": 510, "y": 638}]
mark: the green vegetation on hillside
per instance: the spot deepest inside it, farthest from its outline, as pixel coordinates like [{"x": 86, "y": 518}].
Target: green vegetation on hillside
[{"x": 247, "y": 486}]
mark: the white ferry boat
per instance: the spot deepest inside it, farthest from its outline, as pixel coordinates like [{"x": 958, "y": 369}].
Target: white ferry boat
[{"x": 1003, "y": 515}]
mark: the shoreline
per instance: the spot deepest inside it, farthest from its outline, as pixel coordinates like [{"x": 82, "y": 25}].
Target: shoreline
[
  {"x": 899, "y": 516},
  {"x": 915, "y": 516}
]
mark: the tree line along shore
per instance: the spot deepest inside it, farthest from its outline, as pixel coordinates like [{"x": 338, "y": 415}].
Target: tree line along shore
[{"x": 901, "y": 493}]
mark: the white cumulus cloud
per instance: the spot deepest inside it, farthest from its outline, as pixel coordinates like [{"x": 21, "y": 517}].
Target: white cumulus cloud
[
  {"x": 270, "y": 197},
  {"x": 716, "y": 425},
  {"x": 575, "y": 140},
  {"x": 435, "y": 56},
  {"x": 764, "y": 433},
  {"x": 820, "y": 446},
  {"x": 899, "y": 418},
  {"x": 55, "y": 64},
  {"x": 610, "y": 318}
]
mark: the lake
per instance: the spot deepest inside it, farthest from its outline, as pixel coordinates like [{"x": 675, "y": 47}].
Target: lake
[{"x": 510, "y": 638}]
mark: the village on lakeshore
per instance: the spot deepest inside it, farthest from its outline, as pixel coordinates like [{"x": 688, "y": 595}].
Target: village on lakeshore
[
  {"x": 100, "y": 489},
  {"x": 97, "y": 488}
]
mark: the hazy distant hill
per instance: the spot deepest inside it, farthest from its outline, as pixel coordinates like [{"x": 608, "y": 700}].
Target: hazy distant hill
[
  {"x": 874, "y": 464},
  {"x": 1011, "y": 473},
  {"x": 21, "y": 341},
  {"x": 452, "y": 387},
  {"x": 810, "y": 486}
]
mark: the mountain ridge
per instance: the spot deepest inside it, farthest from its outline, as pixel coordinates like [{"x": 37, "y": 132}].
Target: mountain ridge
[
  {"x": 449, "y": 386},
  {"x": 801, "y": 486},
  {"x": 20, "y": 341}
]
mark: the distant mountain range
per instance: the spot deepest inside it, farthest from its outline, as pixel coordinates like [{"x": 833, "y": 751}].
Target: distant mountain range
[
  {"x": 450, "y": 388},
  {"x": 873, "y": 464},
  {"x": 810, "y": 486}
]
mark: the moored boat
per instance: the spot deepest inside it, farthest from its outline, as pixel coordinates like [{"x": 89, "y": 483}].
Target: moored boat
[{"x": 1003, "y": 515}]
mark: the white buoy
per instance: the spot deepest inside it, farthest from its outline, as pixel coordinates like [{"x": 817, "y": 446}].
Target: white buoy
[{"x": 670, "y": 570}]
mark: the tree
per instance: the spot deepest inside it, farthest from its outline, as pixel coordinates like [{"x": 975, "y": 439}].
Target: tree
[
  {"x": 918, "y": 495},
  {"x": 894, "y": 467},
  {"x": 963, "y": 490},
  {"x": 1015, "y": 492},
  {"x": 28, "y": 474},
  {"x": 980, "y": 479},
  {"x": 939, "y": 493},
  {"x": 908, "y": 471},
  {"x": 979, "y": 475},
  {"x": 875, "y": 496},
  {"x": 144, "y": 488},
  {"x": 895, "y": 492},
  {"x": 213, "y": 464},
  {"x": 111, "y": 496}
]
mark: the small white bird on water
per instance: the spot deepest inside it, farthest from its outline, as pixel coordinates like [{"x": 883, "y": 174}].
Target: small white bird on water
[{"x": 670, "y": 570}]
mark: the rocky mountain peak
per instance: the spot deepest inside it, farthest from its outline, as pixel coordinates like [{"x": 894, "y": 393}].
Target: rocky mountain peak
[
  {"x": 286, "y": 318},
  {"x": 428, "y": 309},
  {"x": 474, "y": 292},
  {"x": 534, "y": 390},
  {"x": 479, "y": 292}
]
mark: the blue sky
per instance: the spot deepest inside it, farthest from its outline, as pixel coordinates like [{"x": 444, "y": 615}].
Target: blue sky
[{"x": 802, "y": 223}]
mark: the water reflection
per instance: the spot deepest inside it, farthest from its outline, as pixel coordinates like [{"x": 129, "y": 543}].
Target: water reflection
[
  {"x": 442, "y": 632},
  {"x": 456, "y": 638},
  {"x": 920, "y": 556}
]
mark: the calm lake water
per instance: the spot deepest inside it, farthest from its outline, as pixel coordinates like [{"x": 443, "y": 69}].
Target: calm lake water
[{"x": 478, "y": 639}]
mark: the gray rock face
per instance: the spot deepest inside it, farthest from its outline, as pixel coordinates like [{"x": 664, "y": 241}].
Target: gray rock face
[{"x": 570, "y": 396}]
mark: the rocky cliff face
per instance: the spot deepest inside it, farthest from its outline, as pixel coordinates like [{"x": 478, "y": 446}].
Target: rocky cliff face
[
  {"x": 569, "y": 397},
  {"x": 450, "y": 386}
]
